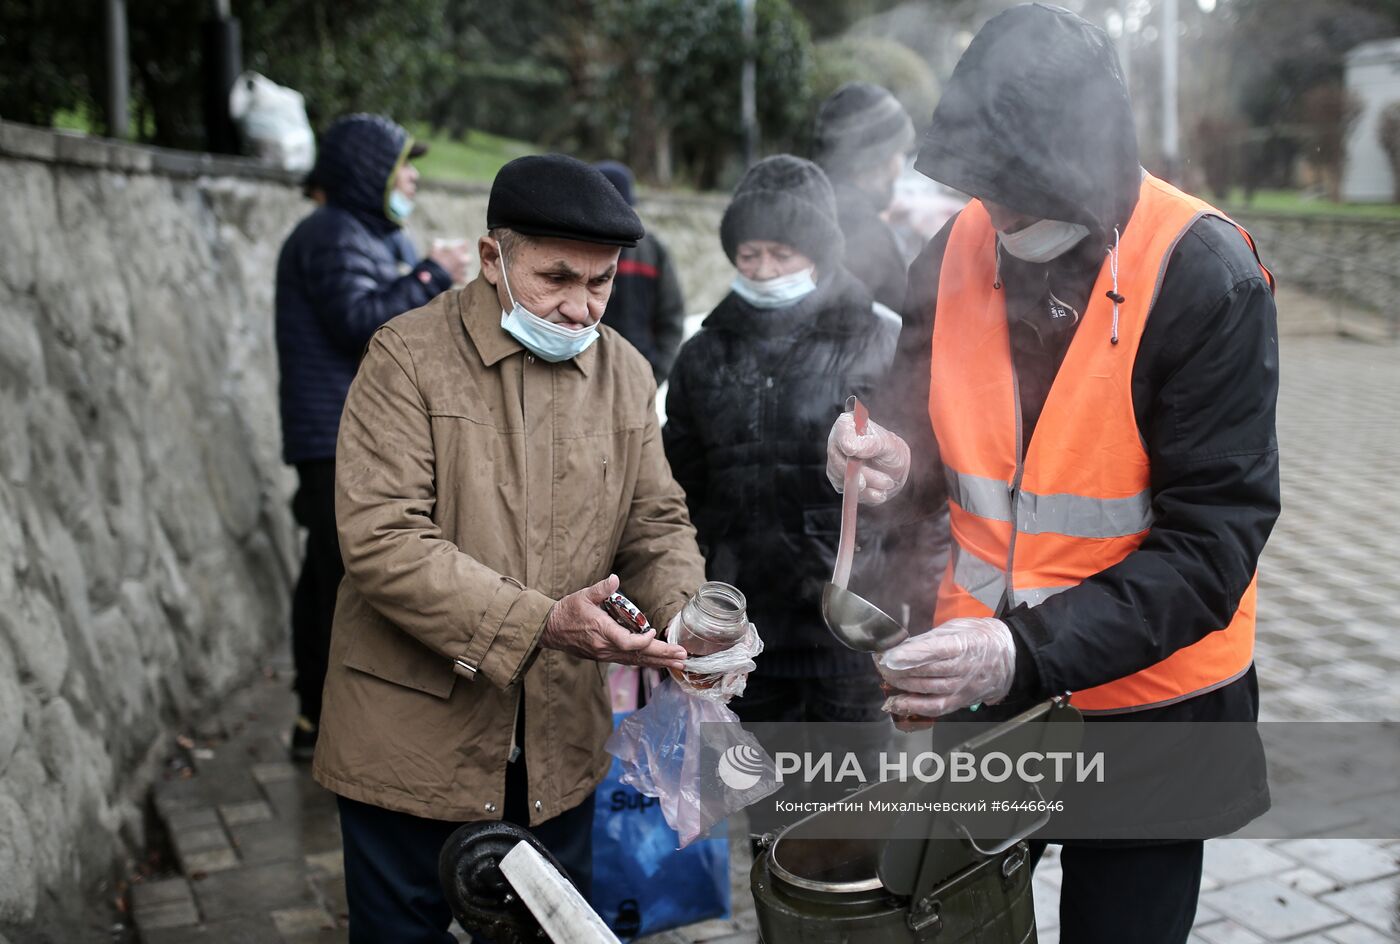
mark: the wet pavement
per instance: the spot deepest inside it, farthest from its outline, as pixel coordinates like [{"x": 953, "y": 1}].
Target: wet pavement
[{"x": 257, "y": 844}]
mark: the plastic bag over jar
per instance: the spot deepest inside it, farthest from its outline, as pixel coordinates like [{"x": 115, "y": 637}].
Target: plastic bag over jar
[
  {"x": 713, "y": 628},
  {"x": 673, "y": 747}
]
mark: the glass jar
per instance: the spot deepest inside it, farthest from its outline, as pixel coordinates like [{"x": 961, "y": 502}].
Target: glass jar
[
  {"x": 713, "y": 620},
  {"x": 904, "y": 722}
]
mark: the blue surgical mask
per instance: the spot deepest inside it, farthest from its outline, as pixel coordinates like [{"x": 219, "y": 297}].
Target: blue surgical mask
[
  {"x": 545, "y": 339},
  {"x": 777, "y": 292},
  {"x": 400, "y": 206}
]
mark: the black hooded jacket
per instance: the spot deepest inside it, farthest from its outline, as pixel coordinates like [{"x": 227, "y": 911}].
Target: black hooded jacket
[
  {"x": 751, "y": 398},
  {"x": 344, "y": 271},
  {"x": 1036, "y": 118}
]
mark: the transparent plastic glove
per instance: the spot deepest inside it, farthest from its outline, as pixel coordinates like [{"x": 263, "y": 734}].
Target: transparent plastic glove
[
  {"x": 885, "y": 457},
  {"x": 962, "y": 662}
]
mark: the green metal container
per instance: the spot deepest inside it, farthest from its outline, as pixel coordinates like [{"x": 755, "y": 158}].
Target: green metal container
[
  {"x": 939, "y": 885},
  {"x": 988, "y": 902}
]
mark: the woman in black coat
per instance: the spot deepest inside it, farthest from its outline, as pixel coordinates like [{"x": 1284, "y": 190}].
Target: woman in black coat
[{"x": 752, "y": 396}]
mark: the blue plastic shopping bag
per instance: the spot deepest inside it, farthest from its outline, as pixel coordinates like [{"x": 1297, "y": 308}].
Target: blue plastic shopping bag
[{"x": 642, "y": 883}]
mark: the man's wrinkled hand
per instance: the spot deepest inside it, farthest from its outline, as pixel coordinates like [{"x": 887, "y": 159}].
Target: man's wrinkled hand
[
  {"x": 577, "y": 625},
  {"x": 884, "y": 457}
]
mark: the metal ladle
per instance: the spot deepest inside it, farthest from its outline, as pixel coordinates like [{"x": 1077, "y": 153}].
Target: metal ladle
[{"x": 855, "y": 621}]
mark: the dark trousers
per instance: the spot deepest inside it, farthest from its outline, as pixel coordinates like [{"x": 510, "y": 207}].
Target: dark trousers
[
  {"x": 391, "y": 863},
  {"x": 1143, "y": 894},
  {"x": 313, "y": 600}
]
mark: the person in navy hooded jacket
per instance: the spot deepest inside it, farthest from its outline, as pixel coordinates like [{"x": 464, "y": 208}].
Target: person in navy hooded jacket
[{"x": 344, "y": 271}]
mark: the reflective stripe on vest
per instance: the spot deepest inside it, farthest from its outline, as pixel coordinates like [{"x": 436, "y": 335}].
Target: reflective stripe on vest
[
  {"x": 1078, "y": 500},
  {"x": 986, "y": 582},
  {"x": 1072, "y": 515}
]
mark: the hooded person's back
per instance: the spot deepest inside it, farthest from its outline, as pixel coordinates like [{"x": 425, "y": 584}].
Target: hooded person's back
[{"x": 344, "y": 271}]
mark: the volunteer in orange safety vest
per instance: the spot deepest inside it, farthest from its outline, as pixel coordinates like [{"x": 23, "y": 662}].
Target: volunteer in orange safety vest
[{"x": 1087, "y": 375}]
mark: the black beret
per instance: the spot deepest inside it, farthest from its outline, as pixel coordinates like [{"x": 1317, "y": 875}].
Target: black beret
[{"x": 558, "y": 196}]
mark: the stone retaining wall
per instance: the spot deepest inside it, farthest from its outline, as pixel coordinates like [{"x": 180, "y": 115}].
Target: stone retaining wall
[
  {"x": 1350, "y": 260},
  {"x": 146, "y": 548}
]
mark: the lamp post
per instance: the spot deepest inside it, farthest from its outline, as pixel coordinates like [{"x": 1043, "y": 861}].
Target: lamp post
[
  {"x": 748, "y": 107},
  {"x": 223, "y": 60},
  {"x": 1171, "y": 143},
  {"x": 118, "y": 70}
]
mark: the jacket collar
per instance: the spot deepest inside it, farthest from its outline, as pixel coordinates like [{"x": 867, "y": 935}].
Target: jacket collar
[{"x": 481, "y": 316}]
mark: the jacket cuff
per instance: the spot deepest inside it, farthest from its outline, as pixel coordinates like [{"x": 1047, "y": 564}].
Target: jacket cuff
[
  {"x": 502, "y": 646},
  {"x": 1025, "y": 625}
]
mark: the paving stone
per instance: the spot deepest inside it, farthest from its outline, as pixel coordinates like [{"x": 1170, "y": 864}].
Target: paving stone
[
  {"x": 274, "y": 772},
  {"x": 172, "y": 796},
  {"x": 163, "y": 904},
  {"x": 301, "y": 922},
  {"x": 274, "y": 886},
  {"x": 248, "y": 929},
  {"x": 1270, "y": 908},
  {"x": 299, "y": 797},
  {"x": 1205, "y": 915},
  {"x": 1359, "y": 934},
  {"x": 1348, "y": 860},
  {"x": 1225, "y": 932},
  {"x": 1234, "y": 860},
  {"x": 196, "y": 864},
  {"x": 1375, "y": 903},
  {"x": 200, "y": 838},
  {"x": 259, "y": 843},
  {"x": 1309, "y": 882},
  {"x": 253, "y": 811},
  {"x": 330, "y": 892},
  {"x": 199, "y": 817},
  {"x": 327, "y": 863}
]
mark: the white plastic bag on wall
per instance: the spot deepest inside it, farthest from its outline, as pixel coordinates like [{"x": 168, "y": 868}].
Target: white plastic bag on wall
[{"x": 272, "y": 119}]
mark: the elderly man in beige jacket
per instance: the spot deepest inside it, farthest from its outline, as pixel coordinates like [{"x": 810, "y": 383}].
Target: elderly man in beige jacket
[{"x": 499, "y": 468}]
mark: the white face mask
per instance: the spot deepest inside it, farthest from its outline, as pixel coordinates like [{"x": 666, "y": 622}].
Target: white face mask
[
  {"x": 776, "y": 292},
  {"x": 545, "y": 339},
  {"x": 1043, "y": 240}
]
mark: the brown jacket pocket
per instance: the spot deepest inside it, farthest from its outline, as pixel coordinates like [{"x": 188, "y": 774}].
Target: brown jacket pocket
[{"x": 378, "y": 648}]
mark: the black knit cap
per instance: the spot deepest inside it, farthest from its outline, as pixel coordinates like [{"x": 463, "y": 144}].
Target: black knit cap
[
  {"x": 554, "y": 195},
  {"x": 788, "y": 200},
  {"x": 859, "y": 125}
]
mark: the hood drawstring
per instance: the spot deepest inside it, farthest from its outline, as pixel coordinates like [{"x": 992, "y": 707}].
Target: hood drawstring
[
  {"x": 996, "y": 281},
  {"x": 1113, "y": 295}
]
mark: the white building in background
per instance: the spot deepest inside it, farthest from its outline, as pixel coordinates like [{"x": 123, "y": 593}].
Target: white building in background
[{"x": 1373, "y": 77}]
